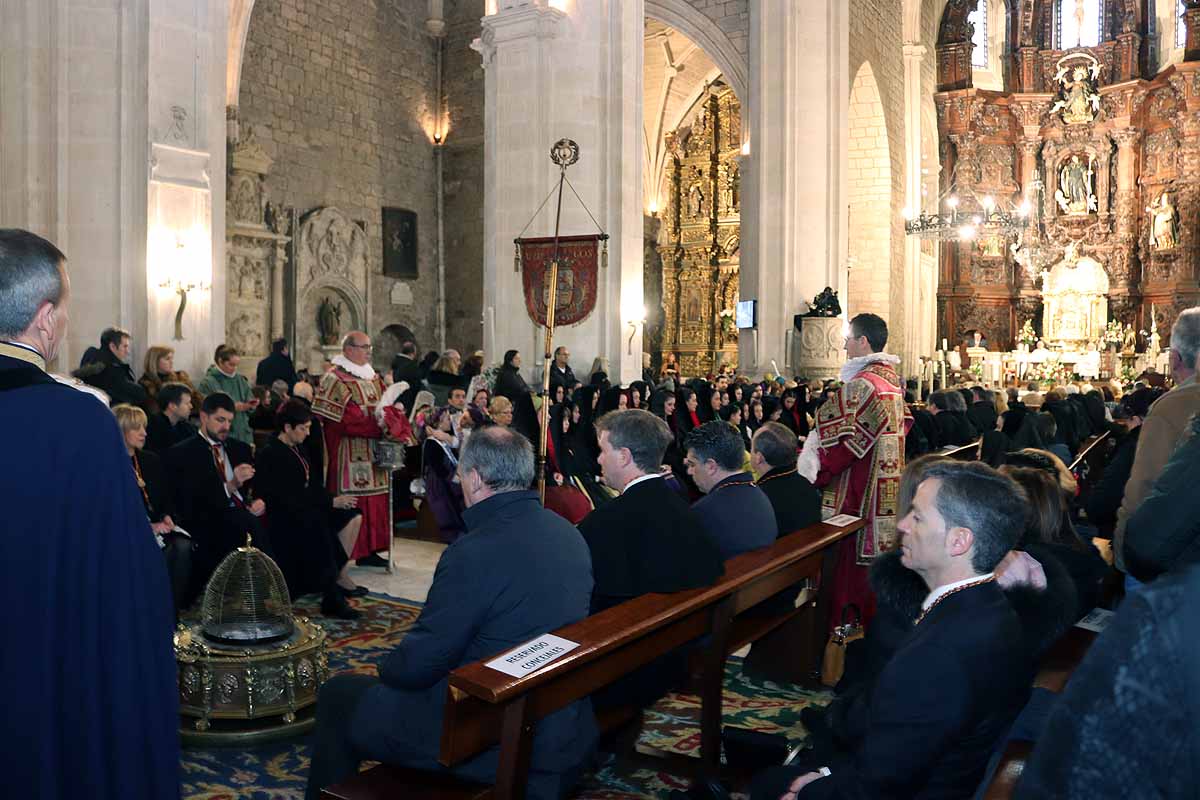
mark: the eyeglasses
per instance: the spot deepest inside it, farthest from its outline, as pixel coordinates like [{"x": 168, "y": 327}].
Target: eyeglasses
[{"x": 362, "y": 346}]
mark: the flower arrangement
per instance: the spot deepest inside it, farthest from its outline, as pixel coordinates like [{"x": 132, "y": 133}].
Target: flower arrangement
[
  {"x": 976, "y": 369},
  {"x": 1026, "y": 336},
  {"x": 1114, "y": 334},
  {"x": 1128, "y": 377},
  {"x": 726, "y": 320},
  {"x": 1051, "y": 373}
]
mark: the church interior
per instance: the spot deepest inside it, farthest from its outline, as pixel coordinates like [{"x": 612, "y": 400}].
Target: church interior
[{"x": 664, "y": 191}]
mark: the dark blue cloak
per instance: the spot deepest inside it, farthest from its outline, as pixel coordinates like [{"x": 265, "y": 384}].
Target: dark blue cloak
[{"x": 87, "y": 668}]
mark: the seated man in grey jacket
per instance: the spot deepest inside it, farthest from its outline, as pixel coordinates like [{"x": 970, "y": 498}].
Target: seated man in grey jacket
[{"x": 523, "y": 571}]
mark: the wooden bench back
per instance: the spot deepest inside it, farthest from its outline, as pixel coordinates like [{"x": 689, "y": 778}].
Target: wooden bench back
[
  {"x": 966, "y": 452},
  {"x": 621, "y": 639}
]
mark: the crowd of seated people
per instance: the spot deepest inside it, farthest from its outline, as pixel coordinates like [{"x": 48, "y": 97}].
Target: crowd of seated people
[{"x": 664, "y": 480}]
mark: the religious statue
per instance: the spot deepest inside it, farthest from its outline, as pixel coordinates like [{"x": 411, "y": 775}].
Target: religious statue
[
  {"x": 1128, "y": 340},
  {"x": 695, "y": 200},
  {"x": 329, "y": 321},
  {"x": 825, "y": 304},
  {"x": 1075, "y": 195},
  {"x": 1163, "y": 221},
  {"x": 1078, "y": 99}
]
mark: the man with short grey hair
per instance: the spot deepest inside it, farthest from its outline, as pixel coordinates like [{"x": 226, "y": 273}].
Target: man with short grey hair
[
  {"x": 93, "y": 565},
  {"x": 1164, "y": 425},
  {"x": 520, "y": 572},
  {"x": 949, "y": 693}
]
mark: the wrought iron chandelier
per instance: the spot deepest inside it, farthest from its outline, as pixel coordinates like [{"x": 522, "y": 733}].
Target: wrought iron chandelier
[{"x": 965, "y": 217}]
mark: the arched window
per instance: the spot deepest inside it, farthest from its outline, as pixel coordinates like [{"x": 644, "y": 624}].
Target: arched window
[
  {"x": 1077, "y": 23},
  {"x": 1180, "y": 25},
  {"x": 979, "y": 40}
]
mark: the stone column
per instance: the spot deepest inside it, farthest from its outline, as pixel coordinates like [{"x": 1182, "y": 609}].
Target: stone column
[
  {"x": 1127, "y": 142},
  {"x": 918, "y": 322},
  {"x": 553, "y": 74},
  {"x": 793, "y": 209}
]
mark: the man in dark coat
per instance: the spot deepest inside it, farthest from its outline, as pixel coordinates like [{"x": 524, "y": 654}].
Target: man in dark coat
[
  {"x": 405, "y": 368},
  {"x": 210, "y": 474},
  {"x": 92, "y": 708},
  {"x": 645, "y": 540},
  {"x": 982, "y": 411},
  {"x": 1125, "y": 726},
  {"x": 560, "y": 371},
  {"x": 735, "y": 512},
  {"x": 170, "y": 426},
  {"x": 107, "y": 368},
  {"x": 521, "y": 572},
  {"x": 276, "y": 367},
  {"x": 949, "y": 414},
  {"x": 795, "y": 501},
  {"x": 943, "y": 701}
]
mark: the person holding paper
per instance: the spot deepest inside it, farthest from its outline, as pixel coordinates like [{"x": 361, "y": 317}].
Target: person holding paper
[
  {"x": 857, "y": 456},
  {"x": 522, "y": 572}
]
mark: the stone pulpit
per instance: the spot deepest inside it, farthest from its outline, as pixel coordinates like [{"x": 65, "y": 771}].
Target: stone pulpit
[{"x": 1074, "y": 302}]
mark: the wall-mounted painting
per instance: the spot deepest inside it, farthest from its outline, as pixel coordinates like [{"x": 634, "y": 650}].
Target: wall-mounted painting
[{"x": 400, "y": 243}]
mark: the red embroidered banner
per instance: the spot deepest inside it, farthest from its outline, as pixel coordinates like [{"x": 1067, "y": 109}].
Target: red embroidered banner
[{"x": 578, "y": 259}]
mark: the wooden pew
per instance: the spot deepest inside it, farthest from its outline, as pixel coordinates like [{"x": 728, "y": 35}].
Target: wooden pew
[
  {"x": 485, "y": 707},
  {"x": 1055, "y": 670},
  {"x": 967, "y": 452}
]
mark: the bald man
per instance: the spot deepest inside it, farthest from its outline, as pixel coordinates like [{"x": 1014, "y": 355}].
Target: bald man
[{"x": 346, "y": 400}]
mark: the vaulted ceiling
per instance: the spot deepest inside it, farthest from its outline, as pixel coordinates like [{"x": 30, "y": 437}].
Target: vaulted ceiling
[{"x": 675, "y": 74}]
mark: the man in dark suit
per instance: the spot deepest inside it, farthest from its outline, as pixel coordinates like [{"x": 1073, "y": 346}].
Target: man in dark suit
[
  {"x": 982, "y": 412},
  {"x": 210, "y": 474},
  {"x": 937, "y": 710},
  {"x": 949, "y": 413},
  {"x": 560, "y": 371},
  {"x": 522, "y": 571},
  {"x": 276, "y": 367},
  {"x": 795, "y": 501},
  {"x": 170, "y": 426},
  {"x": 405, "y": 368},
  {"x": 645, "y": 540},
  {"x": 735, "y": 512}
]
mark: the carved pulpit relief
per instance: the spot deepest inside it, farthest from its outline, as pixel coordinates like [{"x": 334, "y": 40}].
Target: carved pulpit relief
[
  {"x": 1078, "y": 99},
  {"x": 1164, "y": 232},
  {"x": 1076, "y": 193},
  {"x": 1074, "y": 301}
]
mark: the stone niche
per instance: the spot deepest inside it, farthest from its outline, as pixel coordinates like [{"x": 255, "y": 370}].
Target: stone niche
[
  {"x": 331, "y": 284},
  {"x": 256, "y": 243}
]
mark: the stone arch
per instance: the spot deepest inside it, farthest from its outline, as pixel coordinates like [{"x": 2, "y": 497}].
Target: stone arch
[
  {"x": 683, "y": 17},
  {"x": 387, "y": 344},
  {"x": 869, "y": 225},
  {"x": 239, "y": 24}
]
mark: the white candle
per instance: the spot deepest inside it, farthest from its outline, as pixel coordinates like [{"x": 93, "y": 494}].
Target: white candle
[{"x": 944, "y": 347}]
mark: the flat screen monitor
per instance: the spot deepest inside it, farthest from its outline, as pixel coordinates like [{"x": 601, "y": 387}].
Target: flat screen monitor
[{"x": 747, "y": 313}]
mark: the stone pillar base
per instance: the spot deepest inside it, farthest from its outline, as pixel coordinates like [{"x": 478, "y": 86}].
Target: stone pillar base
[{"x": 819, "y": 350}]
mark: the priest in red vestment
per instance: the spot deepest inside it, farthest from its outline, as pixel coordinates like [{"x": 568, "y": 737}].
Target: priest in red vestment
[
  {"x": 346, "y": 400},
  {"x": 856, "y": 455}
]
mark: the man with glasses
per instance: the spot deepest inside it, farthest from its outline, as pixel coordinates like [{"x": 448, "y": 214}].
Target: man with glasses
[{"x": 346, "y": 400}]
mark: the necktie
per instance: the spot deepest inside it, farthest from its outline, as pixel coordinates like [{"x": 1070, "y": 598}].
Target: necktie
[{"x": 219, "y": 460}]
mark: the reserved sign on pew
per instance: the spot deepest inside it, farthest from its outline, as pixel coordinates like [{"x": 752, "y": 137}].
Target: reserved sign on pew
[
  {"x": 532, "y": 656},
  {"x": 841, "y": 520}
]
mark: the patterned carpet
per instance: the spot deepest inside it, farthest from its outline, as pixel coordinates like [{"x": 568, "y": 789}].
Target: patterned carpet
[{"x": 278, "y": 771}]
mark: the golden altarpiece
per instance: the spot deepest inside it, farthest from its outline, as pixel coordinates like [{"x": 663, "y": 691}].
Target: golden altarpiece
[
  {"x": 699, "y": 244},
  {"x": 1105, "y": 151}
]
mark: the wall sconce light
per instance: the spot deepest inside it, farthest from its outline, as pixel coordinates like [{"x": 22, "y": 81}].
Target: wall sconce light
[
  {"x": 181, "y": 288},
  {"x": 633, "y": 326}
]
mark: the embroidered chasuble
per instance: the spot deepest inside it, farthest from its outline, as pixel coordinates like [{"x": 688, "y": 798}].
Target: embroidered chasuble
[{"x": 347, "y": 405}]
